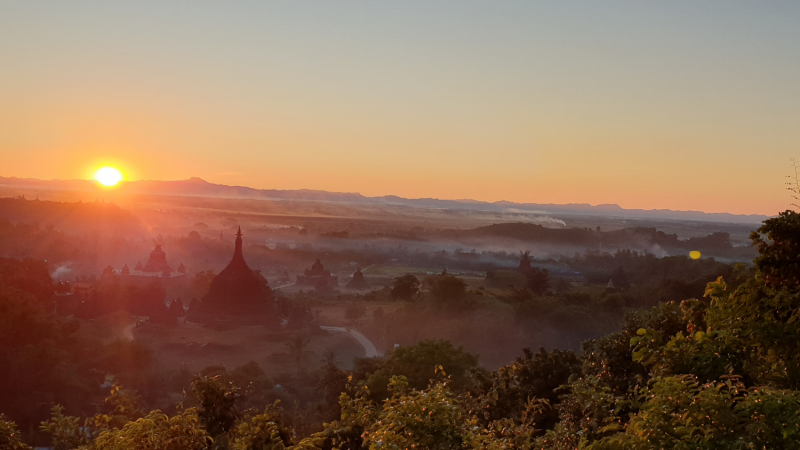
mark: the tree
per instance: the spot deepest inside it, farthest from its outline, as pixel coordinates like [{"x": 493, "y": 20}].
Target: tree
[
  {"x": 216, "y": 404},
  {"x": 430, "y": 418},
  {"x": 29, "y": 275},
  {"x": 405, "y": 287},
  {"x": 264, "y": 431},
  {"x": 297, "y": 346},
  {"x": 122, "y": 406},
  {"x": 620, "y": 279},
  {"x": 524, "y": 262},
  {"x": 331, "y": 383},
  {"x": 418, "y": 363},
  {"x": 10, "y": 437},
  {"x": 157, "y": 431},
  {"x": 448, "y": 289},
  {"x": 40, "y": 356},
  {"x": 509, "y": 391},
  {"x": 778, "y": 243},
  {"x": 538, "y": 280},
  {"x": 64, "y": 431},
  {"x": 679, "y": 412}
]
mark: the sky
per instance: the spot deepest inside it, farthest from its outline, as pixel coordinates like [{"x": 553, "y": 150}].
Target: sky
[{"x": 654, "y": 105}]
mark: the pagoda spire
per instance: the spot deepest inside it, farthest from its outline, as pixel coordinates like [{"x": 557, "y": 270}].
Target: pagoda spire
[{"x": 237, "y": 253}]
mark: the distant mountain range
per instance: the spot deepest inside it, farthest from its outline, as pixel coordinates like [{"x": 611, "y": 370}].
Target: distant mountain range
[{"x": 197, "y": 187}]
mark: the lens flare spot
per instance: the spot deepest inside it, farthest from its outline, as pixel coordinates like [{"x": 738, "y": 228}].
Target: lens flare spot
[
  {"x": 108, "y": 176},
  {"x": 694, "y": 254}
]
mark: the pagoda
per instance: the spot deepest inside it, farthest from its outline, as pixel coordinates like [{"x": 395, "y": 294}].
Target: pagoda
[
  {"x": 358, "y": 281},
  {"x": 157, "y": 262},
  {"x": 238, "y": 295},
  {"x": 317, "y": 276}
]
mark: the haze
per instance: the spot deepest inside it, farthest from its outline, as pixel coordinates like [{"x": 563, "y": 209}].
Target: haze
[
  {"x": 442, "y": 225},
  {"x": 672, "y": 105}
]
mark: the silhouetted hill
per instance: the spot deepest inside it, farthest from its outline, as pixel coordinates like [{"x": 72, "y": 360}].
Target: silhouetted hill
[{"x": 201, "y": 188}]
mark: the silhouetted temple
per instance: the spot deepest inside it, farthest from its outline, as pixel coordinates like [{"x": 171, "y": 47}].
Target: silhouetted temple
[
  {"x": 358, "y": 281},
  {"x": 237, "y": 295},
  {"x": 317, "y": 276},
  {"x": 156, "y": 267},
  {"x": 157, "y": 262}
]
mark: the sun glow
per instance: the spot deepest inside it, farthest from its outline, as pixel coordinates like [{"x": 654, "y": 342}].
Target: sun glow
[{"x": 108, "y": 176}]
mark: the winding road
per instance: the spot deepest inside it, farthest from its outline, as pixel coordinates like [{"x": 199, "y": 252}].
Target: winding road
[{"x": 369, "y": 347}]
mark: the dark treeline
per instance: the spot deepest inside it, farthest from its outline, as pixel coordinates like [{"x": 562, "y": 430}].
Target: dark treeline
[
  {"x": 73, "y": 217},
  {"x": 718, "y": 243}
]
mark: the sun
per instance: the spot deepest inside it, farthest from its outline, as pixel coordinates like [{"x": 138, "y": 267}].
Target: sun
[{"x": 108, "y": 176}]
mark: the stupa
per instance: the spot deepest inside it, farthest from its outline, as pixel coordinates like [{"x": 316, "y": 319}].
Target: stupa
[{"x": 237, "y": 295}]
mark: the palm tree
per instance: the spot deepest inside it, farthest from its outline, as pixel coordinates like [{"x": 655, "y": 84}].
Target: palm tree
[{"x": 297, "y": 347}]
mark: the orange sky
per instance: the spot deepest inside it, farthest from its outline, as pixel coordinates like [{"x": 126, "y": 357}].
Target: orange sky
[{"x": 649, "y": 106}]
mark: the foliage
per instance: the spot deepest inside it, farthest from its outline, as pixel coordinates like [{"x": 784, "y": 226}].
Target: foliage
[
  {"x": 417, "y": 364},
  {"x": 778, "y": 246},
  {"x": 447, "y": 289},
  {"x": 674, "y": 277},
  {"x": 502, "y": 279},
  {"x": 157, "y": 431},
  {"x": 538, "y": 280},
  {"x": 41, "y": 358},
  {"x": 526, "y": 391},
  {"x": 216, "y": 400},
  {"x": 681, "y": 413},
  {"x": 431, "y": 418},
  {"x": 264, "y": 431},
  {"x": 405, "y": 287},
  {"x": 10, "y": 437},
  {"x": 588, "y": 411},
  {"x": 297, "y": 346},
  {"x": 28, "y": 275},
  {"x": 122, "y": 406},
  {"x": 64, "y": 431}
]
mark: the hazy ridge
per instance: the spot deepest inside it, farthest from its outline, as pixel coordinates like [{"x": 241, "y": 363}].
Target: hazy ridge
[{"x": 201, "y": 188}]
